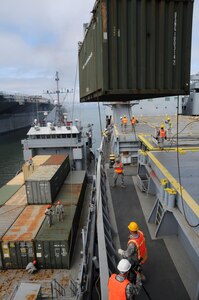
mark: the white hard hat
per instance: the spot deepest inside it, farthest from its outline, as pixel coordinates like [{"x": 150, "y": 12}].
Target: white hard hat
[{"x": 124, "y": 265}]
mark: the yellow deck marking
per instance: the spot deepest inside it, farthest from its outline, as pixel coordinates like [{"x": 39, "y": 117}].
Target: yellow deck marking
[
  {"x": 143, "y": 137},
  {"x": 186, "y": 196}
]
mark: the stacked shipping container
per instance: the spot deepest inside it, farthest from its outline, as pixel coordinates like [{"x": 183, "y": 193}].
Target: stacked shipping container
[
  {"x": 43, "y": 185},
  {"x": 17, "y": 243},
  {"x": 8, "y": 215},
  {"x": 54, "y": 247},
  {"x": 25, "y": 234}
]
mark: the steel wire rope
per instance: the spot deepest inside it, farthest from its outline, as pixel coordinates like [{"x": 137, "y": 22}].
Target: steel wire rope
[{"x": 179, "y": 173}]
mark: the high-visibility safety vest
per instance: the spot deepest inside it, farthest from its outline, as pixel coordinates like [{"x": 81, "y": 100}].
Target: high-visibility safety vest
[
  {"x": 118, "y": 168},
  {"x": 162, "y": 133},
  {"x": 124, "y": 120},
  {"x": 140, "y": 245},
  {"x": 133, "y": 121},
  {"x": 117, "y": 289}
]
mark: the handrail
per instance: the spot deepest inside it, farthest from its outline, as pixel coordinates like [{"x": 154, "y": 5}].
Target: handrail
[
  {"x": 58, "y": 288},
  {"x": 103, "y": 261}
]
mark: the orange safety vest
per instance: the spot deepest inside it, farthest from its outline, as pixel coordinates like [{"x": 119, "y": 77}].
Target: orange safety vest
[
  {"x": 141, "y": 246},
  {"x": 117, "y": 289},
  {"x": 118, "y": 168},
  {"x": 133, "y": 121},
  {"x": 162, "y": 133},
  {"x": 124, "y": 120}
]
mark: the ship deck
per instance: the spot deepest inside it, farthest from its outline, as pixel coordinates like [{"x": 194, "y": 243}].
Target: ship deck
[
  {"x": 163, "y": 279},
  {"x": 170, "y": 272}
]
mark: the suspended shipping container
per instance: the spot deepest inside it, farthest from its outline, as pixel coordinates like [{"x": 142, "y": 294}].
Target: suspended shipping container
[
  {"x": 17, "y": 243},
  {"x": 136, "y": 49}
]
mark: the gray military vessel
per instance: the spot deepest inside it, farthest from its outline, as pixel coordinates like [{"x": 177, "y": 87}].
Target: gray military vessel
[{"x": 19, "y": 111}]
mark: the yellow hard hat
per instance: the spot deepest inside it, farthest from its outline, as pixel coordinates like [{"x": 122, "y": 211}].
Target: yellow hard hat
[
  {"x": 168, "y": 119},
  {"x": 162, "y": 126},
  {"x": 133, "y": 226}
]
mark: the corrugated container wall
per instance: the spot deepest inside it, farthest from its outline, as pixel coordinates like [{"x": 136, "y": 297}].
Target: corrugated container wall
[
  {"x": 54, "y": 246},
  {"x": 136, "y": 49},
  {"x": 8, "y": 215},
  {"x": 43, "y": 185},
  {"x": 17, "y": 243}
]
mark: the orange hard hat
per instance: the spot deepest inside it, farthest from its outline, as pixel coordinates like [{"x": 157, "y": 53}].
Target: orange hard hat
[
  {"x": 58, "y": 202},
  {"x": 49, "y": 206}
]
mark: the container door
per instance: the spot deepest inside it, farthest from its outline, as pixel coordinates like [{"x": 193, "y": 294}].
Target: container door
[
  {"x": 45, "y": 194},
  {"x": 26, "y": 253}
]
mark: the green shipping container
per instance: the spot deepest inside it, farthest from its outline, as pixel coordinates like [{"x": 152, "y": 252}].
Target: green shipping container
[
  {"x": 54, "y": 245},
  {"x": 136, "y": 49}
]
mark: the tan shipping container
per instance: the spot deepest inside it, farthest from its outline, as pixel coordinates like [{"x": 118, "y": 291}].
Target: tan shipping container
[
  {"x": 38, "y": 160},
  {"x": 19, "y": 198},
  {"x": 17, "y": 243},
  {"x": 17, "y": 180}
]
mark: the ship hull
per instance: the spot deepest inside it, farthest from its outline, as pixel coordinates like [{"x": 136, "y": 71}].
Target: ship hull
[{"x": 15, "y": 116}]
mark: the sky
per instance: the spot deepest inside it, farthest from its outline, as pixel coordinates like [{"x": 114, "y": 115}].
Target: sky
[{"x": 40, "y": 37}]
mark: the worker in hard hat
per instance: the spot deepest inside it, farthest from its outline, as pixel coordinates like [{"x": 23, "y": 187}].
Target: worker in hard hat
[
  {"x": 59, "y": 209},
  {"x": 118, "y": 172},
  {"x": 161, "y": 136},
  {"x": 133, "y": 122},
  {"x": 119, "y": 286},
  {"x": 49, "y": 214},
  {"x": 136, "y": 251},
  {"x": 31, "y": 267},
  {"x": 169, "y": 127},
  {"x": 111, "y": 160},
  {"x": 124, "y": 122}
]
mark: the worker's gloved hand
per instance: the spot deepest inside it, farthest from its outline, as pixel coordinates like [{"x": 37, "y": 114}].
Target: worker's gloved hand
[{"x": 120, "y": 251}]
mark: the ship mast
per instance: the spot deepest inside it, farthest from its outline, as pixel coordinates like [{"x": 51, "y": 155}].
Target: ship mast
[{"x": 58, "y": 104}]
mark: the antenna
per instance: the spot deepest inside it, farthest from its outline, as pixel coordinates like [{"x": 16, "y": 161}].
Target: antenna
[
  {"x": 57, "y": 92},
  {"x": 57, "y": 101}
]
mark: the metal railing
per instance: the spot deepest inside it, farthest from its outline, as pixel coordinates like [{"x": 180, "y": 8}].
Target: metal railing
[
  {"x": 106, "y": 249},
  {"x": 57, "y": 289}
]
